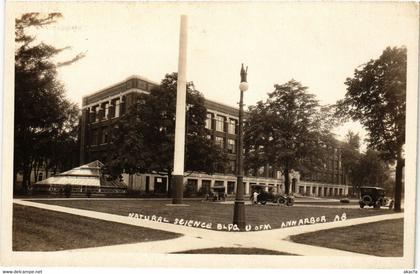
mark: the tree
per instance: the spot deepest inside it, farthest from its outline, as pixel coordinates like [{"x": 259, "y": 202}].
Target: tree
[
  {"x": 350, "y": 157},
  {"x": 42, "y": 112},
  {"x": 372, "y": 169},
  {"x": 376, "y": 96},
  {"x": 143, "y": 139},
  {"x": 288, "y": 131}
]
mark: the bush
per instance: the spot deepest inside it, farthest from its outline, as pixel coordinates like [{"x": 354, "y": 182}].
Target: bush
[
  {"x": 189, "y": 191},
  {"x": 67, "y": 190},
  {"x": 202, "y": 192},
  {"x": 89, "y": 193}
]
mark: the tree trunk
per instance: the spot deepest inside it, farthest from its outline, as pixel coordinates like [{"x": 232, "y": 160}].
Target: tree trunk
[
  {"x": 15, "y": 174},
  {"x": 169, "y": 183},
  {"x": 286, "y": 180},
  {"x": 398, "y": 183},
  {"x": 36, "y": 170},
  {"x": 26, "y": 178}
]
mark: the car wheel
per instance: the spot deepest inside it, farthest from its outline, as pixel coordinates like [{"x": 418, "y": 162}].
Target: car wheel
[
  {"x": 367, "y": 200},
  {"x": 263, "y": 202},
  {"x": 289, "y": 203}
]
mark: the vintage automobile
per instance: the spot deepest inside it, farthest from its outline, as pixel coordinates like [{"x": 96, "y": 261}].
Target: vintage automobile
[
  {"x": 374, "y": 196},
  {"x": 264, "y": 197},
  {"x": 217, "y": 193}
]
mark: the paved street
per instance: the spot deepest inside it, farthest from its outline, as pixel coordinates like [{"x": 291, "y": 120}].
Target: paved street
[{"x": 197, "y": 238}]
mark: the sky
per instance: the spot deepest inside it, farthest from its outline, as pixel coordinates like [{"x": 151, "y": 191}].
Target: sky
[{"x": 317, "y": 44}]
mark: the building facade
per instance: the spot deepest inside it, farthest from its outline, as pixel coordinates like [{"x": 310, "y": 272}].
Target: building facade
[
  {"x": 101, "y": 108},
  {"x": 329, "y": 181}
]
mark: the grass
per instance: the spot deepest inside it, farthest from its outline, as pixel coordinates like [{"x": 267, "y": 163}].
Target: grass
[
  {"x": 233, "y": 250},
  {"x": 384, "y": 238},
  {"x": 214, "y": 213},
  {"x": 332, "y": 203},
  {"x": 44, "y": 230}
]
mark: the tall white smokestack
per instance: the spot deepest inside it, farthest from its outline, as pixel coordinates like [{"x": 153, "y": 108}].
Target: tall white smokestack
[{"x": 179, "y": 149}]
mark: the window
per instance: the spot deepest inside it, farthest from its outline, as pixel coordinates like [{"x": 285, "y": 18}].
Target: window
[
  {"x": 301, "y": 190},
  {"x": 106, "y": 107},
  {"x": 260, "y": 171},
  {"x": 160, "y": 185},
  {"x": 104, "y": 136},
  {"x": 208, "y": 120},
  {"x": 111, "y": 111},
  {"x": 192, "y": 185},
  {"x": 97, "y": 114},
  {"x": 117, "y": 108},
  {"x": 219, "y": 141},
  {"x": 92, "y": 115},
  {"x": 232, "y": 126},
  {"x": 205, "y": 184},
  {"x": 219, "y": 183},
  {"x": 232, "y": 166},
  {"x": 220, "y": 123},
  {"x": 231, "y": 146},
  {"x": 94, "y": 140},
  {"x": 231, "y": 187},
  {"x": 141, "y": 84}
]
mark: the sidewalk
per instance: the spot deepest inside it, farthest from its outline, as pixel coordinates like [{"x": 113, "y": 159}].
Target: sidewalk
[{"x": 198, "y": 238}]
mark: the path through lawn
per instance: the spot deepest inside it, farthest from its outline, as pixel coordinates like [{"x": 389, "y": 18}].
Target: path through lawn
[{"x": 214, "y": 213}]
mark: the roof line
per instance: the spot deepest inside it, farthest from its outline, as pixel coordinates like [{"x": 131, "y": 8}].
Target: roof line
[
  {"x": 134, "y": 76},
  {"x": 221, "y": 103}
]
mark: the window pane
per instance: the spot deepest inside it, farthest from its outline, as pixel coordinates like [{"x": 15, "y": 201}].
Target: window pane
[
  {"x": 232, "y": 126},
  {"x": 208, "y": 120},
  {"x": 231, "y": 146},
  {"x": 219, "y": 141},
  {"x": 220, "y": 121}
]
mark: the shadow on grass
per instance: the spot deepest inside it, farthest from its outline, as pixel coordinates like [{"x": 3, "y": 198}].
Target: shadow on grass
[
  {"x": 44, "y": 230},
  {"x": 234, "y": 251},
  {"x": 384, "y": 238}
]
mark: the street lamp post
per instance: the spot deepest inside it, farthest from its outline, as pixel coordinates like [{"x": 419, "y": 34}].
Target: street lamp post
[{"x": 239, "y": 208}]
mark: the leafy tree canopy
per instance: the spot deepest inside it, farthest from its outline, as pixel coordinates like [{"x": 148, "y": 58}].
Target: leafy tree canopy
[
  {"x": 290, "y": 130},
  {"x": 42, "y": 113},
  {"x": 376, "y": 96},
  {"x": 350, "y": 157}
]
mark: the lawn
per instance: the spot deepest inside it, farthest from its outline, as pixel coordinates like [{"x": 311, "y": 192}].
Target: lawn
[
  {"x": 214, "y": 213},
  {"x": 234, "y": 250},
  {"x": 329, "y": 203},
  {"x": 44, "y": 230},
  {"x": 383, "y": 238}
]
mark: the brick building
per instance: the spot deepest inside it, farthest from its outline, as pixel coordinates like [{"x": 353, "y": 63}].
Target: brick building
[
  {"x": 329, "y": 181},
  {"x": 102, "y": 107}
]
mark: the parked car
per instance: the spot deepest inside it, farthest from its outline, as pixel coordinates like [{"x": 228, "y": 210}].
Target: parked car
[
  {"x": 217, "y": 193},
  {"x": 264, "y": 197},
  {"x": 288, "y": 200},
  {"x": 374, "y": 196}
]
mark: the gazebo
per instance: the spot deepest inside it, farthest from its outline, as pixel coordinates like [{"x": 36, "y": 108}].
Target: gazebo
[{"x": 86, "y": 179}]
